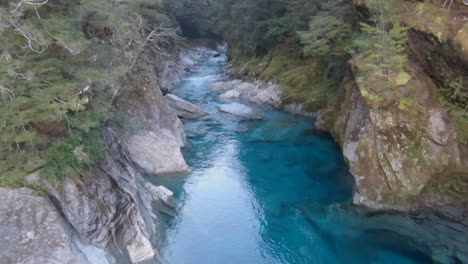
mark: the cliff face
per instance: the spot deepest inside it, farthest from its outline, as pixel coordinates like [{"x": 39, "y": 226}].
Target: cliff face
[
  {"x": 409, "y": 147},
  {"x": 395, "y": 151}
]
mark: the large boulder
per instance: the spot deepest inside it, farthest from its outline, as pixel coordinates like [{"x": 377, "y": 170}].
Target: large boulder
[
  {"x": 33, "y": 231},
  {"x": 183, "y": 108},
  {"x": 156, "y": 152},
  {"x": 256, "y": 92}
]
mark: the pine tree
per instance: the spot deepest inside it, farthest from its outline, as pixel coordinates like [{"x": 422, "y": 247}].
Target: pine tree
[{"x": 326, "y": 35}]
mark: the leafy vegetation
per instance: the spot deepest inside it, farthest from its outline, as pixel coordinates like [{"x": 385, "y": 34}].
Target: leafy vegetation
[
  {"x": 58, "y": 59},
  {"x": 326, "y": 35}
]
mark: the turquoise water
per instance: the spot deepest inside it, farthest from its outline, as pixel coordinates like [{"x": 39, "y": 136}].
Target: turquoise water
[{"x": 263, "y": 192}]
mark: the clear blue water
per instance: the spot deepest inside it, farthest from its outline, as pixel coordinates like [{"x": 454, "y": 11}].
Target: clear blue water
[{"x": 261, "y": 191}]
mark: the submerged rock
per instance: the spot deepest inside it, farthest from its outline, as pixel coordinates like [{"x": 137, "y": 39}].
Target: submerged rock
[
  {"x": 279, "y": 130},
  {"x": 239, "y": 110},
  {"x": 183, "y": 108},
  {"x": 426, "y": 231},
  {"x": 33, "y": 231}
]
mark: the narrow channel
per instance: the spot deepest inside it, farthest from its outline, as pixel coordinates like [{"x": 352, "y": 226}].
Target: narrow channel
[{"x": 262, "y": 191}]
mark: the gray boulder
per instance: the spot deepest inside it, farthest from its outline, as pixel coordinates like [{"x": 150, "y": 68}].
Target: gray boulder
[
  {"x": 183, "y": 108},
  {"x": 33, "y": 231},
  {"x": 156, "y": 152}
]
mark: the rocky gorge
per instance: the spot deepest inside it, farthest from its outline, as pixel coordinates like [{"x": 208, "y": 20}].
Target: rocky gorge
[
  {"x": 222, "y": 158},
  {"x": 107, "y": 217}
]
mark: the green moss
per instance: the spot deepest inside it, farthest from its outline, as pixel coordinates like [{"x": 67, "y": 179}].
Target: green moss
[
  {"x": 13, "y": 178},
  {"x": 402, "y": 78},
  {"x": 405, "y": 103},
  {"x": 429, "y": 18},
  {"x": 415, "y": 155},
  {"x": 370, "y": 96},
  {"x": 459, "y": 116}
]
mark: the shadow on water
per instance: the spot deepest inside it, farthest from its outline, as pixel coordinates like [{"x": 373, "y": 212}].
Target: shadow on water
[{"x": 264, "y": 191}]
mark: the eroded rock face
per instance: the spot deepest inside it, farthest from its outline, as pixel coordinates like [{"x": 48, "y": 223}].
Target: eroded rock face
[
  {"x": 33, "y": 231},
  {"x": 112, "y": 207},
  {"x": 183, "y": 108},
  {"x": 156, "y": 152},
  {"x": 395, "y": 151},
  {"x": 153, "y": 122}
]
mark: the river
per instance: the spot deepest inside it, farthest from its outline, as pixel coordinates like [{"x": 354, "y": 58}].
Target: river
[{"x": 265, "y": 191}]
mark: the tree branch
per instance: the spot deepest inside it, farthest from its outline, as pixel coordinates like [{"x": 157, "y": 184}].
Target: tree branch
[{"x": 6, "y": 93}]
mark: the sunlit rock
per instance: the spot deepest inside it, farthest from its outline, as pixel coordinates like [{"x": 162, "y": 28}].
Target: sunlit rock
[
  {"x": 33, "y": 231},
  {"x": 156, "y": 152},
  {"x": 183, "y": 108}
]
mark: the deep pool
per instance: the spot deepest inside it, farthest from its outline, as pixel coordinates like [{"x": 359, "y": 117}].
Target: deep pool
[{"x": 263, "y": 191}]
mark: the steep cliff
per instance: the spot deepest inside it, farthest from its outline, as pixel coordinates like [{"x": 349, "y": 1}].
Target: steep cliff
[{"x": 404, "y": 145}]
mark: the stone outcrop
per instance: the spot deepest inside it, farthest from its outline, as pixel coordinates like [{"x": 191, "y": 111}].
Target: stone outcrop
[
  {"x": 403, "y": 149},
  {"x": 111, "y": 209},
  {"x": 156, "y": 152},
  {"x": 33, "y": 231},
  {"x": 183, "y": 108},
  {"x": 394, "y": 152},
  {"x": 156, "y": 134}
]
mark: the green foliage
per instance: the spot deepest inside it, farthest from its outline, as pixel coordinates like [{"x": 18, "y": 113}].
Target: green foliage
[
  {"x": 380, "y": 48},
  {"x": 56, "y": 61},
  {"x": 279, "y": 29},
  {"x": 83, "y": 149},
  {"x": 326, "y": 35},
  {"x": 459, "y": 115},
  {"x": 301, "y": 11}
]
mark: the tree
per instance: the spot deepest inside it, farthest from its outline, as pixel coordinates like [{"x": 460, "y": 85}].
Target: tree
[{"x": 326, "y": 35}]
